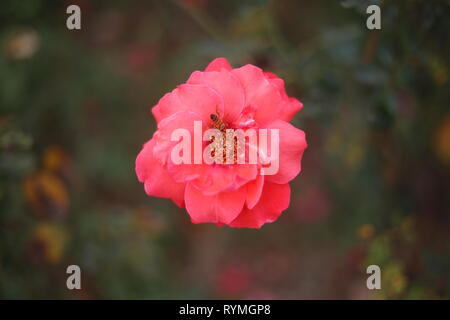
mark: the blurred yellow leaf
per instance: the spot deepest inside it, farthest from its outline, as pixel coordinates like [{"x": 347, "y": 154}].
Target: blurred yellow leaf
[
  {"x": 46, "y": 192},
  {"x": 442, "y": 140},
  {"x": 52, "y": 239},
  {"x": 54, "y": 158},
  {"x": 366, "y": 231}
]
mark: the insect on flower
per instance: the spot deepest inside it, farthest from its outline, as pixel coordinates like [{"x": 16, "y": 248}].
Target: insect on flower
[{"x": 217, "y": 122}]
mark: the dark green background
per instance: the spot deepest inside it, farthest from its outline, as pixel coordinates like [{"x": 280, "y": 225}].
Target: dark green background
[{"x": 74, "y": 113}]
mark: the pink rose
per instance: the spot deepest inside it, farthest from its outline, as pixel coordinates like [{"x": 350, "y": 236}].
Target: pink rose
[{"x": 237, "y": 195}]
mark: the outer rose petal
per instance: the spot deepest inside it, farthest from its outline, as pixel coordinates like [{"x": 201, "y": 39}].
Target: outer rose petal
[
  {"x": 292, "y": 145},
  {"x": 252, "y": 79},
  {"x": 218, "y": 64},
  {"x": 274, "y": 199},
  {"x": 179, "y": 120},
  {"x": 260, "y": 92},
  {"x": 254, "y": 191},
  {"x": 220, "y": 208},
  {"x": 229, "y": 88},
  {"x": 196, "y": 98},
  {"x": 290, "y": 106},
  {"x": 157, "y": 180},
  {"x": 156, "y": 111}
]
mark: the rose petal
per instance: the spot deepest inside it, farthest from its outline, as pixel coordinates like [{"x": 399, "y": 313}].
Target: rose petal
[
  {"x": 167, "y": 126},
  {"x": 218, "y": 64},
  {"x": 254, "y": 191},
  {"x": 196, "y": 98},
  {"x": 290, "y": 106},
  {"x": 260, "y": 93},
  {"x": 274, "y": 199},
  {"x": 158, "y": 182},
  {"x": 215, "y": 179},
  {"x": 156, "y": 111},
  {"x": 220, "y": 208},
  {"x": 227, "y": 86},
  {"x": 292, "y": 145}
]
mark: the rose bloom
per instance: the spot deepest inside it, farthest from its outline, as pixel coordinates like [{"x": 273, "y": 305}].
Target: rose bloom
[{"x": 237, "y": 195}]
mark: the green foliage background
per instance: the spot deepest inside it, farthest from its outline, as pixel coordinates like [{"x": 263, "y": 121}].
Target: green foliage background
[{"x": 74, "y": 113}]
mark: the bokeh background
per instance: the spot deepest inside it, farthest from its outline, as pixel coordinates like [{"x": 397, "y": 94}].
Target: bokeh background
[{"x": 75, "y": 111}]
